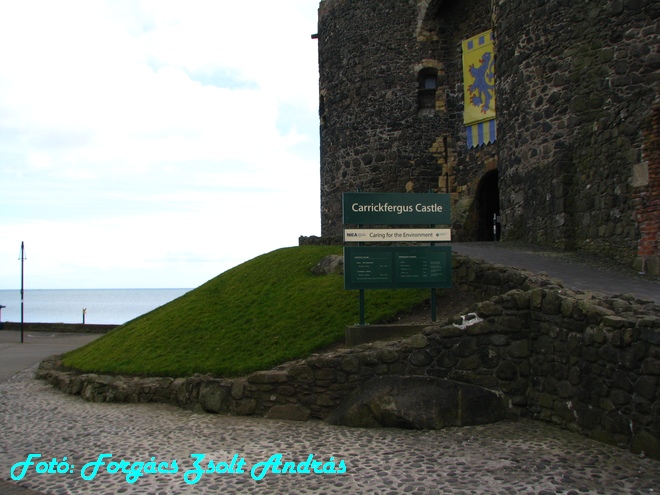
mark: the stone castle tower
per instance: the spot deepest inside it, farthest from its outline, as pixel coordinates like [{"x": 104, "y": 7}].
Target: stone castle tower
[{"x": 575, "y": 162}]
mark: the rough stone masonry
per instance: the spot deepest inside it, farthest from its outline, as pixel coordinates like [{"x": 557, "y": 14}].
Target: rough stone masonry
[
  {"x": 580, "y": 361},
  {"x": 576, "y": 162}
]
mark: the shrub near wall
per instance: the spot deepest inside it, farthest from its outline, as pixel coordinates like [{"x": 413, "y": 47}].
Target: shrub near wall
[{"x": 590, "y": 364}]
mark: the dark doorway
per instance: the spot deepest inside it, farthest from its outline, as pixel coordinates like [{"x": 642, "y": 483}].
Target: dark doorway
[{"x": 488, "y": 206}]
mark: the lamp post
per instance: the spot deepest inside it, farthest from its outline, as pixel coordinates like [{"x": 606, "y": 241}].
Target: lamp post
[{"x": 22, "y": 258}]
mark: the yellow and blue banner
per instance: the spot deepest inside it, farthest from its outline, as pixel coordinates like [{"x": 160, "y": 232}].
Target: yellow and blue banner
[
  {"x": 481, "y": 133},
  {"x": 479, "y": 92}
]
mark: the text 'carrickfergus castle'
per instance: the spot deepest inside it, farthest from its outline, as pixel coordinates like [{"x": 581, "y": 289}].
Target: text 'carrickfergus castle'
[{"x": 540, "y": 115}]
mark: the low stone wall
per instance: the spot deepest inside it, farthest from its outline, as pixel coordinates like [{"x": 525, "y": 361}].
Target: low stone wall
[
  {"x": 587, "y": 363},
  {"x": 595, "y": 367},
  {"x": 313, "y": 240},
  {"x": 57, "y": 327}
]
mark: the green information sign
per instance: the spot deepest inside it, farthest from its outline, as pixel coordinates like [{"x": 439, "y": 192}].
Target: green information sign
[
  {"x": 396, "y": 209},
  {"x": 395, "y": 267}
]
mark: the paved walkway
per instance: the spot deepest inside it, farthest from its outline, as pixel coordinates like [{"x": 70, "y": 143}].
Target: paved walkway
[
  {"x": 16, "y": 356},
  {"x": 575, "y": 271},
  {"x": 524, "y": 457}
]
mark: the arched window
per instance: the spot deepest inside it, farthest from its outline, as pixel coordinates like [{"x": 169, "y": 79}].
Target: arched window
[{"x": 427, "y": 85}]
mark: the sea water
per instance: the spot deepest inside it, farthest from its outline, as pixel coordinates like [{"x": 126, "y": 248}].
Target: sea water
[{"x": 102, "y": 306}]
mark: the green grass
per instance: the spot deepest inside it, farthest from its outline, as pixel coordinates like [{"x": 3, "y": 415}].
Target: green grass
[{"x": 255, "y": 316}]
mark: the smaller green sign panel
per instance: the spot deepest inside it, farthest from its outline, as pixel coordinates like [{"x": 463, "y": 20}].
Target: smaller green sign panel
[
  {"x": 370, "y": 267},
  {"x": 396, "y": 209},
  {"x": 397, "y": 267}
]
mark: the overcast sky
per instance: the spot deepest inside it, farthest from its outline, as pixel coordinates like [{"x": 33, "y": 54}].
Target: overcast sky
[{"x": 154, "y": 143}]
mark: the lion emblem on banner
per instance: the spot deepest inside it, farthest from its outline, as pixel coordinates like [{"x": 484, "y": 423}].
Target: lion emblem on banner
[{"x": 482, "y": 89}]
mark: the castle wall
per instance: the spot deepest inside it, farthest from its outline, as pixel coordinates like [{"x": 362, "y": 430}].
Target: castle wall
[
  {"x": 576, "y": 89},
  {"x": 376, "y": 136},
  {"x": 577, "y": 105}
]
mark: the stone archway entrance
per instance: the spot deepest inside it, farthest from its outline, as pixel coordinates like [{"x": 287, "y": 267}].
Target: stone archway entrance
[{"x": 488, "y": 206}]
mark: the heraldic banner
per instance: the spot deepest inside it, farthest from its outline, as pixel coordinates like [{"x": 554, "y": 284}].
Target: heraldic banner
[{"x": 479, "y": 84}]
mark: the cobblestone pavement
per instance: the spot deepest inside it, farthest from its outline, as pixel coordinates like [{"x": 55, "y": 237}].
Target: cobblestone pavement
[{"x": 522, "y": 457}]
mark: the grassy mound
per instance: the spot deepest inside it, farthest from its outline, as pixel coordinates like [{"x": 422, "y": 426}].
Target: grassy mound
[{"x": 255, "y": 316}]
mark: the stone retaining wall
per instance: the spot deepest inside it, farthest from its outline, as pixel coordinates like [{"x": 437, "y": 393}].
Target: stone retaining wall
[{"x": 587, "y": 363}]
